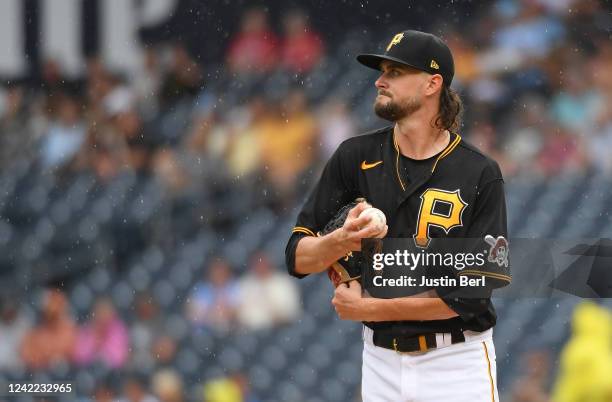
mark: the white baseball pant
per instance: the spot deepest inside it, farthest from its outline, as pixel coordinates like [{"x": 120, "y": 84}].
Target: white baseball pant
[{"x": 461, "y": 372}]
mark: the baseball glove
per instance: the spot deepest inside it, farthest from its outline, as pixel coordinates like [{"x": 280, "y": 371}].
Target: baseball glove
[{"x": 347, "y": 268}]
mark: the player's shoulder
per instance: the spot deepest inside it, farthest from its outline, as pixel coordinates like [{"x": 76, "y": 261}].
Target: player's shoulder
[
  {"x": 364, "y": 141},
  {"x": 473, "y": 158}
]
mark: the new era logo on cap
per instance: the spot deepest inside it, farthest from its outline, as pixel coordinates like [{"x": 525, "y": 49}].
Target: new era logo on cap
[{"x": 416, "y": 49}]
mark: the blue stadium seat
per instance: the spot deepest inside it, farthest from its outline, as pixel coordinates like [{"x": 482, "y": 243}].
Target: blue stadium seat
[{"x": 261, "y": 378}]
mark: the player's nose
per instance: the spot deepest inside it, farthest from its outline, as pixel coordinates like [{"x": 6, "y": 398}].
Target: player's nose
[{"x": 381, "y": 83}]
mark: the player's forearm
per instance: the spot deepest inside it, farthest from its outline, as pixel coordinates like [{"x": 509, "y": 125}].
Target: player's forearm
[
  {"x": 406, "y": 309},
  {"x": 316, "y": 254}
]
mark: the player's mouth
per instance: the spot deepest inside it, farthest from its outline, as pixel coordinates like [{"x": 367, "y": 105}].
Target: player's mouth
[{"x": 384, "y": 93}]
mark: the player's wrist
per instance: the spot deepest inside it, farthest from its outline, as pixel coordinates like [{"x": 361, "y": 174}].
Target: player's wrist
[
  {"x": 335, "y": 241},
  {"x": 338, "y": 241},
  {"x": 367, "y": 306}
]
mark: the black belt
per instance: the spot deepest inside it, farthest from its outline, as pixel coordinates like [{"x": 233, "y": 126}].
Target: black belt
[{"x": 407, "y": 344}]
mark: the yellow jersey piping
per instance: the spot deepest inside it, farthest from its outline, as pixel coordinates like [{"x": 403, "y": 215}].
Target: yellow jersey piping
[
  {"x": 447, "y": 151},
  {"x": 489, "y": 274},
  {"x": 397, "y": 151},
  {"x": 489, "y": 371},
  {"x": 304, "y": 230}
]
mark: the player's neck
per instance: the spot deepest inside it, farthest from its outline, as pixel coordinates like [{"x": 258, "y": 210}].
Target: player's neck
[{"x": 417, "y": 139}]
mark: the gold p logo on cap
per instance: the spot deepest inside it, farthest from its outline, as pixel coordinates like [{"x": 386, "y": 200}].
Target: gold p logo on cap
[
  {"x": 396, "y": 39},
  {"x": 434, "y": 65}
]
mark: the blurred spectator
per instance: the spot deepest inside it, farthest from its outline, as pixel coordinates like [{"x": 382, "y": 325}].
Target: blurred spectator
[
  {"x": 589, "y": 21},
  {"x": 243, "y": 151},
  {"x": 206, "y": 148},
  {"x": 532, "y": 385},
  {"x": 119, "y": 101},
  {"x": 168, "y": 168},
  {"x": 267, "y": 296},
  {"x": 207, "y": 136},
  {"x": 51, "y": 341},
  {"x": 104, "y": 339},
  {"x": 116, "y": 141},
  {"x": 120, "y": 104},
  {"x": 525, "y": 138},
  {"x": 144, "y": 330},
  {"x": 255, "y": 48},
  {"x": 223, "y": 389},
  {"x": 560, "y": 152},
  {"x": 51, "y": 78},
  {"x": 163, "y": 350},
  {"x": 168, "y": 386},
  {"x": 103, "y": 392},
  {"x": 233, "y": 388},
  {"x": 577, "y": 104},
  {"x": 243, "y": 383},
  {"x": 104, "y": 152},
  {"x": 146, "y": 84},
  {"x": 212, "y": 303},
  {"x": 600, "y": 142},
  {"x": 20, "y": 129},
  {"x": 585, "y": 372},
  {"x": 529, "y": 31},
  {"x": 557, "y": 6},
  {"x": 302, "y": 47},
  {"x": 14, "y": 325},
  {"x": 66, "y": 133},
  {"x": 484, "y": 137},
  {"x": 465, "y": 57},
  {"x": 183, "y": 79},
  {"x": 135, "y": 390},
  {"x": 181, "y": 85},
  {"x": 287, "y": 142},
  {"x": 336, "y": 126},
  {"x": 99, "y": 84},
  {"x": 600, "y": 145}
]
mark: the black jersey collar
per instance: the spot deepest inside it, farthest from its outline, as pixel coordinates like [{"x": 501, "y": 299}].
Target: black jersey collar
[{"x": 408, "y": 188}]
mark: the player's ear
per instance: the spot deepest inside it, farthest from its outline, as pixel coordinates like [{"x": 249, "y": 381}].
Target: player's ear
[{"x": 433, "y": 84}]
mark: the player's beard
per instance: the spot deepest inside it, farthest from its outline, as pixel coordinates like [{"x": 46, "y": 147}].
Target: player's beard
[{"x": 394, "y": 111}]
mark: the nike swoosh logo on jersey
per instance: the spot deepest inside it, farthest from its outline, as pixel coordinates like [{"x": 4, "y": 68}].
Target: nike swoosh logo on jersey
[{"x": 366, "y": 166}]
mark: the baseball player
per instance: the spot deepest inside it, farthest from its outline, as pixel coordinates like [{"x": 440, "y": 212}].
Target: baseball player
[{"x": 429, "y": 183}]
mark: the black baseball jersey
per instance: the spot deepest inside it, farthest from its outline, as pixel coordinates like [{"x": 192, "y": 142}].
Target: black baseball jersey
[{"x": 458, "y": 193}]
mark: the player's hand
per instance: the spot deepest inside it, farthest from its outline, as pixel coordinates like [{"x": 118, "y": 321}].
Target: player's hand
[
  {"x": 348, "y": 301},
  {"x": 356, "y": 228}
]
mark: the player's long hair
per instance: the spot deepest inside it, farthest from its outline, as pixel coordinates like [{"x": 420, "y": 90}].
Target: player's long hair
[{"x": 451, "y": 110}]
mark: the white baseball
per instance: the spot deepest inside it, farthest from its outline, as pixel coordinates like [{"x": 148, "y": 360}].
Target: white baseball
[{"x": 377, "y": 219}]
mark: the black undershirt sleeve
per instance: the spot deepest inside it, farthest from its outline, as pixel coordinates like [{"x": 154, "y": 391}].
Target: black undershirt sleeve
[{"x": 334, "y": 190}]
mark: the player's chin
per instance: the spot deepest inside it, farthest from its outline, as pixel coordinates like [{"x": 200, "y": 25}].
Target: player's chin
[
  {"x": 382, "y": 100},
  {"x": 382, "y": 104}
]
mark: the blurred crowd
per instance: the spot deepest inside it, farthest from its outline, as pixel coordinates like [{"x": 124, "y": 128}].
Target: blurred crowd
[
  {"x": 535, "y": 75},
  {"x": 537, "y": 78},
  {"x": 143, "y": 341},
  {"x": 583, "y": 370},
  {"x": 171, "y": 119}
]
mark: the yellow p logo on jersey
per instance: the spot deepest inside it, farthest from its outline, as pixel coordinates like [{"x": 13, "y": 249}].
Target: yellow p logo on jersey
[{"x": 427, "y": 216}]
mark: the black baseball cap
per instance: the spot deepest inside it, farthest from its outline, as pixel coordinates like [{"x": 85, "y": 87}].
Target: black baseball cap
[{"x": 421, "y": 50}]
